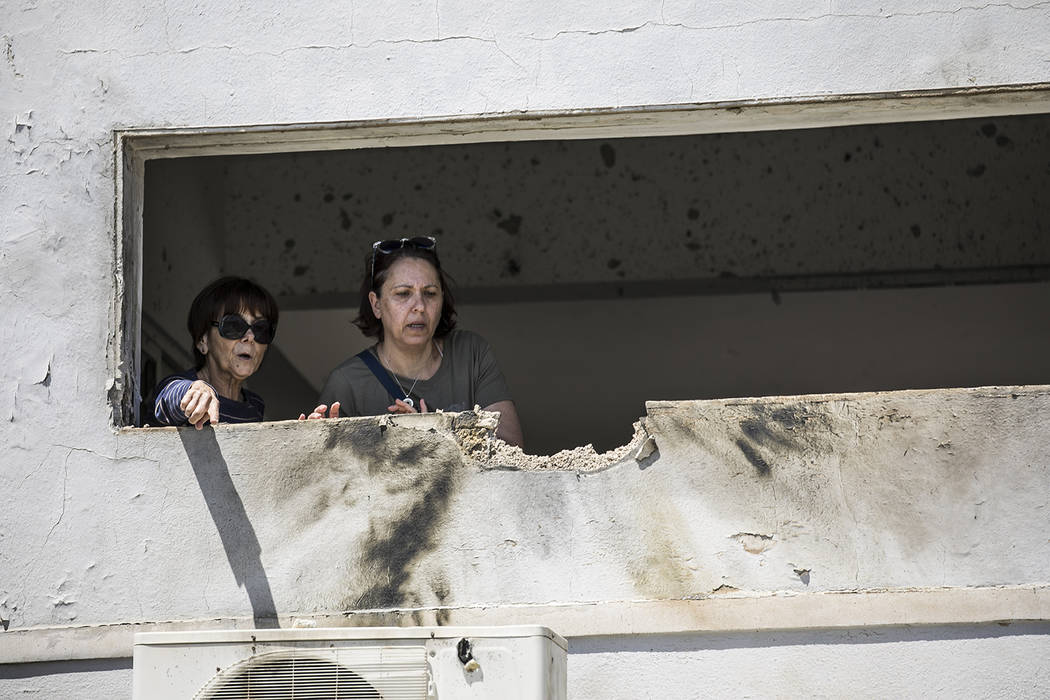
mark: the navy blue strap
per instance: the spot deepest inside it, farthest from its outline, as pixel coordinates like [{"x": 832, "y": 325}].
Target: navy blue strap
[{"x": 382, "y": 375}]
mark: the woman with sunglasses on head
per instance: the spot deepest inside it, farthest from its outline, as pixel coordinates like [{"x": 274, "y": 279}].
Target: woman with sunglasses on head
[
  {"x": 421, "y": 362},
  {"x": 231, "y": 322}
]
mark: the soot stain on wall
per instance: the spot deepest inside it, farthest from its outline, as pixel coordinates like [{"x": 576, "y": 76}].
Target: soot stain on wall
[
  {"x": 415, "y": 469},
  {"x": 439, "y": 585},
  {"x": 756, "y": 460},
  {"x": 328, "y": 478},
  {"x": 418, "y": 471},
  {"x": 391, "y": 548},
  {"x": 766, "y": 430}
]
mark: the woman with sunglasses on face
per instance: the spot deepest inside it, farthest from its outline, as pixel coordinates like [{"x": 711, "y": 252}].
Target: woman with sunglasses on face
[
  {"x": 421, "y": 362},
  {"x": 231, "y": 322}
]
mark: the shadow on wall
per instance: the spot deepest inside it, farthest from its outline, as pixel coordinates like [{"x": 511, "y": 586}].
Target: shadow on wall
[
  {"x": 391, "y": 549},
  {"x": 50, "y": 668},
  {"x": 231, "y": 520},
  {"x": 672, "y": 643}
]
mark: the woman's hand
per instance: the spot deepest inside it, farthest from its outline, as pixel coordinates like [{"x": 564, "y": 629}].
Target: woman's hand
[
  {"x": 402, "y": 407},
  {"x": 319, "y": 412},
  {"x": 200, "y": 404}
]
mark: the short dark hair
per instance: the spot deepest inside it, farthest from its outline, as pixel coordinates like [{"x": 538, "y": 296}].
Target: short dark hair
[
  {"x": 226, "y": 295},
  {"x": 371, "y": 326}
]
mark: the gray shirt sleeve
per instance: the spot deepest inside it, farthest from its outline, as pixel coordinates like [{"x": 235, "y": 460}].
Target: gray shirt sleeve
[{"x": 490, "y": 386}]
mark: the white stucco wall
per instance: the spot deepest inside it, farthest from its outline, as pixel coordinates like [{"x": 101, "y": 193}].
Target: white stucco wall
[
  {"x": 267, "y": 63},
  {"x": 863, "y": 492},
  {"x": 747, "y": 519},
  {"x": 104, "y": 528}
]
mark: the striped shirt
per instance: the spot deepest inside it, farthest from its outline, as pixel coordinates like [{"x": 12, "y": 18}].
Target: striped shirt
[{"x": 171, "y": 390}]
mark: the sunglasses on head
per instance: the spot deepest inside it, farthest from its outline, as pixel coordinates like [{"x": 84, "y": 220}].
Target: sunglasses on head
[
  {"x": 234, "y": 327},
  {"x": 392, "y": 244}
]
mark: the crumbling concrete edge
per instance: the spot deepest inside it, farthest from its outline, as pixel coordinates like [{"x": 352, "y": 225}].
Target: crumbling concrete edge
[
  {"x": 987, "y": 392},
  {"x": 640, "y": 450},
  {"x": 475, "y": 433}
]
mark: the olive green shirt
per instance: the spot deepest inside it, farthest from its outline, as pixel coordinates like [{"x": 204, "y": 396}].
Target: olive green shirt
[{"x": 468, "y": 376}]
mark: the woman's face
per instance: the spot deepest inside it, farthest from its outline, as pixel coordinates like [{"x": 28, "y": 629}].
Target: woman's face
[
  {"x": 239, "y": 358},
  {"x": 410, "y": 301}
]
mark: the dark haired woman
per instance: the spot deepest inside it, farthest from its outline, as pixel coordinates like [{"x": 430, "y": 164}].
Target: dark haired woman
[
  {"x": 231, "y": 322},
  {"x": 421, "y": 362}
]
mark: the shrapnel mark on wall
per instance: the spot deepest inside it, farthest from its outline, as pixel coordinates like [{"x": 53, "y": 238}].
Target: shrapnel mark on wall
[{"x": 754, "y": 542}]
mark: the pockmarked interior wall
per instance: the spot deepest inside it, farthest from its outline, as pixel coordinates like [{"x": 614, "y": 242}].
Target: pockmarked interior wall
[
  {"x": 607, "y": 273},
  {"x": 944, "y": 195}
]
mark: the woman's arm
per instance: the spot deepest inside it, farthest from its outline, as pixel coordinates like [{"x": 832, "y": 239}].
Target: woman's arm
[
  {"x": 183, "y": 401},
  {"x": 509, "y": 428},
  {"x": 166, "y": 407}
]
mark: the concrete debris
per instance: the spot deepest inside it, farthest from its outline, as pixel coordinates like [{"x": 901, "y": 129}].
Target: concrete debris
[
  {"x": 475, "y": 434},
  {"x": 645, "y": 449},
  {"x": 580, "y": 459}
]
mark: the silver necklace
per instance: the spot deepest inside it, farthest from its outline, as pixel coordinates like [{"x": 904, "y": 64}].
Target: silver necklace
[{"x": 408, "y": 399}]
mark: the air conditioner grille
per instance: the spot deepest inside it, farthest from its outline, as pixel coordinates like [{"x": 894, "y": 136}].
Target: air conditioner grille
[{"x": 351, "y": 673}]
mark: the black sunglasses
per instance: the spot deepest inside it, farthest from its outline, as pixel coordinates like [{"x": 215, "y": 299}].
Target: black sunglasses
[
  {"x": 234, "y": 327},
  {"x": 392, "y": 244}
]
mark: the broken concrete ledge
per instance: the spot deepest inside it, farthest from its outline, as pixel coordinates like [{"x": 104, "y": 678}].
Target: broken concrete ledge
[
  {"x": 718, "y": 613},
  {"x": 474, "y": 431},
  {"x": 716, "y": 508}
]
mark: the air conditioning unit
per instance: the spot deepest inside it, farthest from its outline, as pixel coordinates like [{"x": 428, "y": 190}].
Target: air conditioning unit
[{"x": 392, "y": 663}]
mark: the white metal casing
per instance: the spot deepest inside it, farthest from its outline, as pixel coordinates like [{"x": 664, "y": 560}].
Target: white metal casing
[{"x": 513, "y": 663}]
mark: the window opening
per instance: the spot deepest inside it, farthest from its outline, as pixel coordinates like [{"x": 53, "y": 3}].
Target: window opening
[{"x": 607, "y": 272}]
